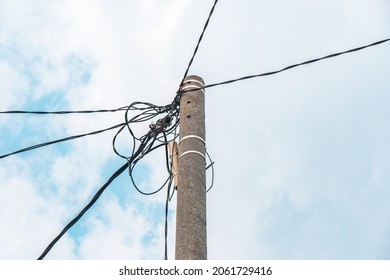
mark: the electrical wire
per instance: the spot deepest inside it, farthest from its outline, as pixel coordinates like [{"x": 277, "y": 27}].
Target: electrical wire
[
  {"x": 33, "y": 147},
  {"x": 290, "y": 67},
  {"x": 166, "y": 218},
  {"x": 197, "y": 45},
  {"x": 169, "y": 196},
  {"x": 65, "y": 112},
  {"x": 212, "y": 172},
  {"x": 147, "y": 193},
  {"x": 83, "y": 211}
]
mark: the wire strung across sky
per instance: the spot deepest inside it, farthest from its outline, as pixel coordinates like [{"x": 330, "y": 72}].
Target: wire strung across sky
[
  {"x": 270, "y": 73},
  {"x": 66, "y": 112},
  {"x": 41, "y": 145},
  {"x": 293, "y": 65},
  {"x": 198, "y": 44}
]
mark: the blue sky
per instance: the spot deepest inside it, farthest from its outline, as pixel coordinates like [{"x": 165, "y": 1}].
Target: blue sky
[{"x": 302, "y": 158}]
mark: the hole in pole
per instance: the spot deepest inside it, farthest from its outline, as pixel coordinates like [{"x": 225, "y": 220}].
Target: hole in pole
[{"x": 188, "y": 116}]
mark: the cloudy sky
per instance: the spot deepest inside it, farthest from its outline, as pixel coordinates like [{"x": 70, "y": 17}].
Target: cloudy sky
[{"x": 302, "y": 158}]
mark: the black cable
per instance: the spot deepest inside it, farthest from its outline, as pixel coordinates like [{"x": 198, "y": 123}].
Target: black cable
[
  {"x": 60, "y": 140},
  {"x": 82, "y": 212},
  {"x": 169, "y": 169},
  {"x": 290, "y": 67},
  {"x": 146, "y": 151},
  {"x": 91, "y": 203},
  {"x": 137, "y": 188},
  {"x": 212, "y": 172},
  {"x": 149, "y": 111},
  {"x": 166, "y": 218},
  {"x": 199, "y": 41},
  {"x": 157, "y": 110},
  {"x": 114, "y": 141},
  {"x": 65, "y": 112}
]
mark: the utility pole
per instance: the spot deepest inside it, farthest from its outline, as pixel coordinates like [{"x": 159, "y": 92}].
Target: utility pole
[{"x": 191, "y": 237}]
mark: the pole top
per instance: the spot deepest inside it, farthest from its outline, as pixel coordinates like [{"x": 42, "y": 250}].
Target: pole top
[{"x": 192, "y": 82}]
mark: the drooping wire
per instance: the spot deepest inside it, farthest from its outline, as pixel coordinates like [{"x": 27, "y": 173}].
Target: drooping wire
[
  {"x": 64, "y": 112},
  {"x": 197, "y": 45},
  {"x": 166, "y": 218},
  {"x": 212, "y": 172},
  {"x": 33, "y": 147},
  {"x": 291, "y": 66},
  {"x": 83, "y": 211},
  {"x": 148, "y": 193},
  {"x": 149, "y": 112},
  {"x": 169, "y": 169}
]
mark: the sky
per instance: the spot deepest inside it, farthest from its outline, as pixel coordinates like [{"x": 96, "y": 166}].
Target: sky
[{"x": 301, "y": 158}]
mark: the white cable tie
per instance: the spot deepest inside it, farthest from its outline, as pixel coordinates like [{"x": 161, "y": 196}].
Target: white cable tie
[
  {"x": 192, "y": 81},
  {"x": 192, "y": 84},
  {"x": 192, "y": 136},
  {"x": 192, "y": 87},
  {"x": 192, "y": 152}
]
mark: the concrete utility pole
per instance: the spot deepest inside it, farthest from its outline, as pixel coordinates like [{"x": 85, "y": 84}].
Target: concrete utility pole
[{"x": 191, "y": 237}]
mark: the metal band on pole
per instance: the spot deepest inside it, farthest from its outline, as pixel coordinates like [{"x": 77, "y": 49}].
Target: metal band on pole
[
  {"x": 192, "y": 136},
  {"x": 192, "y": 152}
]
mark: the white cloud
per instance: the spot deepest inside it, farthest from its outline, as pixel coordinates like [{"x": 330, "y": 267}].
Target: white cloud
[
  {"x": 28, "y": 219},
  {"x": 121, "y": 233},
  {"x": 13, "y": 87}
]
